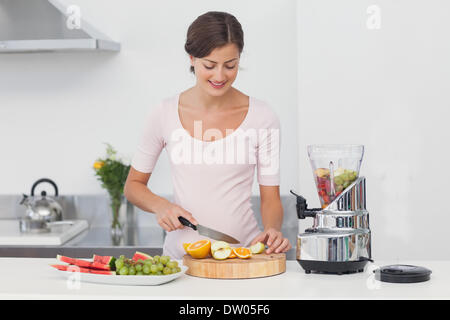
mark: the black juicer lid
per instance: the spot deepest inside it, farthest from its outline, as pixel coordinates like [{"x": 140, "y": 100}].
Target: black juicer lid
[{"x": 400, "y": 273}]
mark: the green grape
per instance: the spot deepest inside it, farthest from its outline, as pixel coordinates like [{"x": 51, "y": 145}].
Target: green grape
[
  {"x": 344, "y": 177},
  {"x": 146, "y": 269},
  {"x": 154, "y": 268},
  {"x": 164, "y": 260},
  {"x": 140, "y": 261},
  {"x": 138, "y": 267},
  {"x": 178, "y": 269},
  {"x": 156, "y": 259},
  {"x": 139, "y": 273},
  {"x": 160, "y": 266},
  {"x": 119, "y": 264},
  {"x": 123, "y": 271},
  {"x": 167, "y": 270},
  {"x": 171, "y": 264},
  {"x": 122, "y": 257},
  {"x": 159, "y": 273},
  {"x": 174, "y": 270},
  {"x": 338, "y": 180},
  {"x": 148, "y": 262},
  {"x": 132, "y": 271}
]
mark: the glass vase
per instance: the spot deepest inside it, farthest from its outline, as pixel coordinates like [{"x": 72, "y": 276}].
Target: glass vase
[{"x": 117, "y": 207}]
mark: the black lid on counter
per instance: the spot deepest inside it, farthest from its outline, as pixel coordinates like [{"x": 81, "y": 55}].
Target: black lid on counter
[{"x": 401, "y": 273}]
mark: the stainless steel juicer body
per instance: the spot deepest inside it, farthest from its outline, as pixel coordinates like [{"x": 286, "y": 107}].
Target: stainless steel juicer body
[{"x": 340, "y": 239}]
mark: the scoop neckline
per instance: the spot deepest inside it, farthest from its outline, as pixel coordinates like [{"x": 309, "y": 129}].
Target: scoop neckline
[{"x": 241, "y": 125}]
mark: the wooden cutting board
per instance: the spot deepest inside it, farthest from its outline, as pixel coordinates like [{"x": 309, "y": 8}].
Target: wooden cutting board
[{"x": 259, "y": 265}]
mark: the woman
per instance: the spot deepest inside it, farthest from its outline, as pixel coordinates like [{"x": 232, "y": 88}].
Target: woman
[{"x": 215, "y": 137}]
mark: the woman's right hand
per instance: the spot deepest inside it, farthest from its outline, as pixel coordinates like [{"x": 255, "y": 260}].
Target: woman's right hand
[{"x": 167, "y": 215}]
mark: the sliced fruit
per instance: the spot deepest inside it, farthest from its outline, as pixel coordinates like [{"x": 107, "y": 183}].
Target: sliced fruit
[
  {"x": 222, "y": 254},
  {"x": 322, "y": 172},
  {"x": 72, "y": 268},
  {"x": 199, "y": 249},
  {"x": 242, "y": 253},
  {"x": 83, "y": 263},
  {"x": 140, "y": 255},
  {"x": 109, "y": 260},
  {"x": 217, "y": 245},
  {"x": 185, "y": 245},
  {"x": 78, "y": 262},
  {"x": 100, "y": 266},
  {"x": 102, "y": 259},
  {"x": 232, "y": 255},
  {"x": 62, "y": 267},
  {"x": 257, "y": 248},
  {"x": 339, "y": 171}
]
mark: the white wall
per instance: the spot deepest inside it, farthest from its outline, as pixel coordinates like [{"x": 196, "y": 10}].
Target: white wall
[
  {"x": 56, "y": 109},
  {"x": 388, "y": 89}
]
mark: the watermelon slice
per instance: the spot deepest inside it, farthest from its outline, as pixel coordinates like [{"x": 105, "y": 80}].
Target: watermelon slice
[
  {"x": 81, "y": 269},
  {"x": 84, "y": 263},
  {"x": 109, "y": 260},
  {"x": 140, "y": 255}
]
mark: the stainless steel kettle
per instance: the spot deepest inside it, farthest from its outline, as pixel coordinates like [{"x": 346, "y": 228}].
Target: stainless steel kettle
[{"x": 42, "y": 208}]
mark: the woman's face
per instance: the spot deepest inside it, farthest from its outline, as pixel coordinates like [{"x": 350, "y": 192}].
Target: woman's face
[{"x": 217, "y": 72}]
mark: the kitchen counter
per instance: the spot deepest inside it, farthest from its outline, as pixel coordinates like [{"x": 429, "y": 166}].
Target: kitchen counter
[{"x": 32, "y": 278}]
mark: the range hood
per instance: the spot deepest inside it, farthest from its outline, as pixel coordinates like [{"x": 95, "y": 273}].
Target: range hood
[{"x": 42, "y": 26}]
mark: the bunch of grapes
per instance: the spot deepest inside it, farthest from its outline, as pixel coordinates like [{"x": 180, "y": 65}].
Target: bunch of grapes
[{"x": 153, "y": 266}]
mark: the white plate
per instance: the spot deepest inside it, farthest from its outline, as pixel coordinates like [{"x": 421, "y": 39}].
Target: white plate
[{"x": 148, "y": 280}]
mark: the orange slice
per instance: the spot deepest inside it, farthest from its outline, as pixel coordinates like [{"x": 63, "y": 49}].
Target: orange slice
[
  {"x": 185, "y": 245},
  {"x": 232, "y": 255},
  {"x": 242, "y": 253},
  {"x": 199, "y": 249}
]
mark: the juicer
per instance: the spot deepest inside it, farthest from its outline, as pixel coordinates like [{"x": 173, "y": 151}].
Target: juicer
[{"x": 339, "y": 240}]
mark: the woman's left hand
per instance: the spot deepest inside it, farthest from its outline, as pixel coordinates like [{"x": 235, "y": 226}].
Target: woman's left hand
[{"x": 274, "y": 240}]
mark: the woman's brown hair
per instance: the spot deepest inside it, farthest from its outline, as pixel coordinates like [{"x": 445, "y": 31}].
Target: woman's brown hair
[{"x": 212, "y": 30}]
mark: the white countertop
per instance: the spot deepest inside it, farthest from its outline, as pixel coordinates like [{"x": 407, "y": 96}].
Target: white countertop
[
  {"x": 33, "y": 278},
  {"x": 10, "y": 234}
]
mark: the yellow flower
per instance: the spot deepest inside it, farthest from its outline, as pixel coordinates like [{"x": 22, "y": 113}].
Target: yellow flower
[{"x": 98, "y": 164}]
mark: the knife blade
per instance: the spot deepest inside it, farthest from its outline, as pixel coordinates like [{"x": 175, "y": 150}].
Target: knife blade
[{"x": 208, "y": 232}]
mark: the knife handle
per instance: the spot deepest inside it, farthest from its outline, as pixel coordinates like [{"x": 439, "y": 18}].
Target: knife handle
[{"x": 187, "y": 223}]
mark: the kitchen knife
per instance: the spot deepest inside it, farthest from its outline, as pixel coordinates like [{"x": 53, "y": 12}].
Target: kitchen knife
[{"x": 207, "y": 232}]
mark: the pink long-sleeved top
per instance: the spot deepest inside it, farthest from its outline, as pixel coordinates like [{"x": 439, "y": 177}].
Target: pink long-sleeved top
[{"x": 212, "y": 179}]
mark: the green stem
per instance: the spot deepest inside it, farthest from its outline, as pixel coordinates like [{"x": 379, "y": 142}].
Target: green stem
[{"x": 115, "y": 206}]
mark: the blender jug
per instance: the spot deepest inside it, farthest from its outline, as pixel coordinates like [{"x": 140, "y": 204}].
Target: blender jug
[{"x": 335, "y": 167}]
